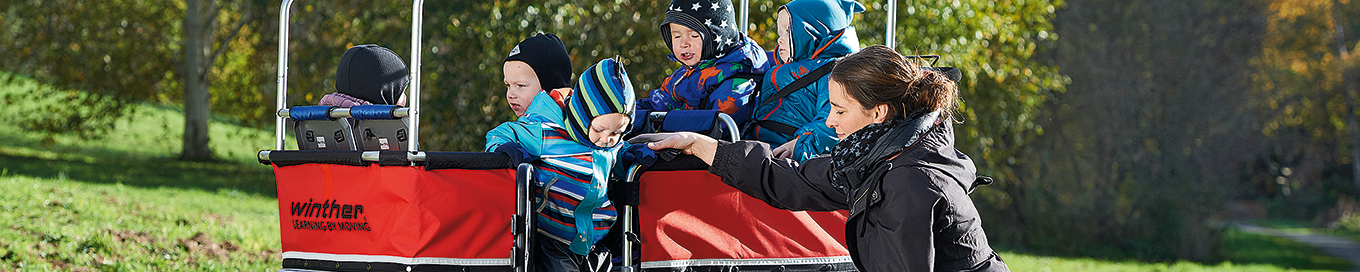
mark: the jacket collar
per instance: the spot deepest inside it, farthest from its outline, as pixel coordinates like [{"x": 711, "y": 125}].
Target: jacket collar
[{"x": 903, "y": 135}]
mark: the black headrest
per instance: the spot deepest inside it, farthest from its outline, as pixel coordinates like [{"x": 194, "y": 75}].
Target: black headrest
[{"x": 953, "y": 74}]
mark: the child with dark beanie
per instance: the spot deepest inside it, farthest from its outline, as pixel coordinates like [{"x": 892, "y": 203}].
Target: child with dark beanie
[
  {"x": 719, "y": 65},
  {"x": 368, "y": 75},
  {"x": 538, "y": 67}
]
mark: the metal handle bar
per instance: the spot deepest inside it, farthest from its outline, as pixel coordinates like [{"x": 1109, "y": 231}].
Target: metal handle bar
[{"x": 417, "y": 9}]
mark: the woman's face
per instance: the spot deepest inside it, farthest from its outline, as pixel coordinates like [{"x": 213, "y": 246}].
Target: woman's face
[
  {"x": 847, "y": 116},
  {"x": 686, "y": 44},
  {"x": 521, "y": 85}
]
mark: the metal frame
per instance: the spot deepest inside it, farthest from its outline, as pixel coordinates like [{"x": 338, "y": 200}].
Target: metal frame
[
  {"x": 628, "y": 218},
  {"x": 745, "y": 16},
  {"x": 522, "y": 223},
  {"x": 413, "y": 94},
  {"x": 723, "y": 118},
  {"x": 890, "y": 34},
  {"x": 731, "y": 126}
]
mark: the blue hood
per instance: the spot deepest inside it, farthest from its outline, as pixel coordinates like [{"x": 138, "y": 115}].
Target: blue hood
[{"x": 821, "y": 28}]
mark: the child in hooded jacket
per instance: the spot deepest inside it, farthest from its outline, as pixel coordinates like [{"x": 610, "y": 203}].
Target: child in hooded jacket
[
  {"x": 537, "y": 71},
  {"x": 720, "y": 66},
  {"x": 812, "y": 34},
  {"x": 368, "y": 75},
  {"x": 575, "y": 160}
]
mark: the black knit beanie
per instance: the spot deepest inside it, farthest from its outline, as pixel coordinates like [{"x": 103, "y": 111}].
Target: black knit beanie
[
  {"x": 548, "y": 57},
  {"x": 713, "y": 19},
  {"x": 372, "y": 73}
]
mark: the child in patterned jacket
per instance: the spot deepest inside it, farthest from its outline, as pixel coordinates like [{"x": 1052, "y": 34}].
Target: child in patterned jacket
[{"x": 575, "y": 160}]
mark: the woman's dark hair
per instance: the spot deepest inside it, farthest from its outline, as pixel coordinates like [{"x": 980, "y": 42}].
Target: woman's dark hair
[{"x": 877, "y": 75}]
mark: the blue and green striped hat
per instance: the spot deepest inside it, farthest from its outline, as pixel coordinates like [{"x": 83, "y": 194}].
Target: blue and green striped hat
[{"x": 602, "y": 89}]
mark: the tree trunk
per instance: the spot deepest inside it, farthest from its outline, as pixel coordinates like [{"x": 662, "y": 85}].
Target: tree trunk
[
  {"x": 1346, "y": 86},
  {"x": 198, "y": 39}
]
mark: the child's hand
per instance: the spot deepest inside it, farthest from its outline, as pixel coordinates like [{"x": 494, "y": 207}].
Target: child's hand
[{"x": 639, "y": 154}]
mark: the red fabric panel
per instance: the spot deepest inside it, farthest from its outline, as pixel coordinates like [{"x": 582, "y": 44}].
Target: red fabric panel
[
  {"x": 688, "y": 215},
  {"x": 407, "y": 211}
]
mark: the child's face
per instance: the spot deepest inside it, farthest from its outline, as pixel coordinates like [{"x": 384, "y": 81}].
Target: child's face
[
  {"x": 605, "y": 130},
  {"x": 686, "y": 44},
  {"x": 782, "y": 22},
  {"x": 521, "y": 85}
]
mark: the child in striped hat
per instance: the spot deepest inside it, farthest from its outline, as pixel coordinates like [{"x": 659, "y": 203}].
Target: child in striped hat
[{"x": 574, "y": 161}]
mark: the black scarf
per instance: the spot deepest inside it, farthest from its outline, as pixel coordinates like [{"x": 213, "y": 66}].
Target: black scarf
[{"x": 855, "y": 155}]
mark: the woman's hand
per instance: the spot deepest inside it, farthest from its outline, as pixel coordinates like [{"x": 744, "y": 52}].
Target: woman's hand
[
  {"x": 687, "y": 142},
  {"x": 785, "y": 150}
]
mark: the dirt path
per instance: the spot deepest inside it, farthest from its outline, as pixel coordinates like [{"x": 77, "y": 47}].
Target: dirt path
[{"x": 1336, "y": 246}]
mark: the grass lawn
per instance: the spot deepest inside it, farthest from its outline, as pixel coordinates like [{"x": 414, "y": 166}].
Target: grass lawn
[
  {"x": 1243, "y": 251},
  {"x": 123, "y": 203}
]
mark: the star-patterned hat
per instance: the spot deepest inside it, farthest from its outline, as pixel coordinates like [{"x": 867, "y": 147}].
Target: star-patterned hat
[{"x": 713, "y": 19}]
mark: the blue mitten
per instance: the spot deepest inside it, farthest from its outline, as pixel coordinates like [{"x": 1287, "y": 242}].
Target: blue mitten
[
  {"x": 640, "y": 154},
  {"x": 517, "y": 154}
]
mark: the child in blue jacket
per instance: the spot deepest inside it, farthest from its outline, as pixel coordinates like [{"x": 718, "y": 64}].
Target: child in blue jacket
[
  {"x": 720, "y": 66},
  {"x": 537, "y": 71},
  {"x": 812, "y": 34},
  {"x": 574, "y": 161}
]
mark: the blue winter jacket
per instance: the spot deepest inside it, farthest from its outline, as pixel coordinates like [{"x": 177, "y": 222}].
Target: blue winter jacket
[
  {"x": 821, "y": 32},
  {"x": 709, "y": 85}
]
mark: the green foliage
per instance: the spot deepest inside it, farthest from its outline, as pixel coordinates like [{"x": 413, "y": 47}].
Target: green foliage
[
  {"x": 115, "y": 50},
  {"x": 1300, "y": 88},
  {"x": 996, "y": 45},
  {"x": 1150, "y": 137}
]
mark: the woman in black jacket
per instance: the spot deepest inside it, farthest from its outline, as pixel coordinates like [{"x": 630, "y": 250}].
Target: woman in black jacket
[{"x": 895, "y": 169}]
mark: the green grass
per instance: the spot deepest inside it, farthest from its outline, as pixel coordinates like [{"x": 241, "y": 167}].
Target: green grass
[
  {"x": 124, "y": 203},
  {"x": 1243, "y": 252},
  {"x": 66, "y": 225}
]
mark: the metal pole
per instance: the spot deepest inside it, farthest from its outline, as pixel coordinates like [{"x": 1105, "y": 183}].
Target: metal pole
[
  {"x": 283, "y": 73},
  {"x": 890, "y": 38},
  {"x": 628, "y": 219},
  {"x": 418, "y": 7},
  {"x": 745, "y": 15}
]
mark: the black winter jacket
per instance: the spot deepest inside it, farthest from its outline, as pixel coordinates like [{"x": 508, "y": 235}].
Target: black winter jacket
[{"x": 912, "y": 213}]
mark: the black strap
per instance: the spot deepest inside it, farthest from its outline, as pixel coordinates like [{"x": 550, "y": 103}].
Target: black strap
[
  {"x": 804, "y": 81},
  {"x": 775, "y": 126}
]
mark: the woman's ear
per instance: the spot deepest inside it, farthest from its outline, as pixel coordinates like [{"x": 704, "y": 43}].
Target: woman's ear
[{"x": 881, "y": 113}]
